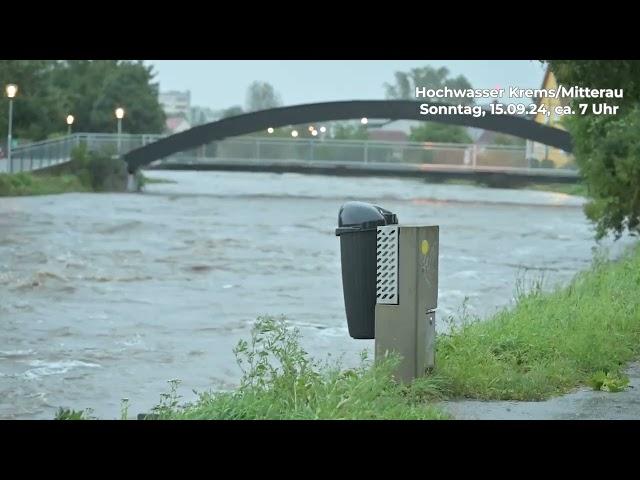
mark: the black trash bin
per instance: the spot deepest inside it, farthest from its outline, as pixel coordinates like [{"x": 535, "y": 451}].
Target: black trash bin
[{"x": 357, "y": 225}]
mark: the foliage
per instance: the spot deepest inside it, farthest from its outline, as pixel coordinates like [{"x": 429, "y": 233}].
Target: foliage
[
  {"x": 40, "y": 107},
  {"x": 608, "y": 382},
  {"x": 262, "y": 96},
  {"x": 436, "y": 132},
  {"x": 19, "y": 184},
  {"x": 346, "y": 131},
  {"x": 100, "y": 171},
  {"x": 281, "y": 381},
  {"x": 504, "y": 139},
  {"x": 70, "y": 414},
  {"x": 427, "y": 77},
  {"x": 550, "y": 342},
  {"x": 232, "y": 111},
  {"x": 607, "y": 147},
  {"x": 49, "y": 90}
]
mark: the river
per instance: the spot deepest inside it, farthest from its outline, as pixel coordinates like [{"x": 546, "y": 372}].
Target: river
[{"x": 109, "y": 296}]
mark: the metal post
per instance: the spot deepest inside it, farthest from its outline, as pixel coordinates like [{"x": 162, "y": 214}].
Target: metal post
[
  {"x": 9, "y": 136},
  {"x": 474, "y": 155},
  {"x": 119, "y": 134},
  {"x": 366, "y": 152}
]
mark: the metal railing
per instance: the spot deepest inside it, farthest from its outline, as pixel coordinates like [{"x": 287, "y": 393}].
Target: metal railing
[{"x": 43, "y": 154}]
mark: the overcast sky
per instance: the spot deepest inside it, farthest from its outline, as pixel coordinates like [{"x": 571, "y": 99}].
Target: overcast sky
[{"x": 222, "y": 83}]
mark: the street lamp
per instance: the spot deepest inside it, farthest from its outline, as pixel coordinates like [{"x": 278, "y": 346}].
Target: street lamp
[
  {"x": 119, "y": 116},
  {"x": 11, "y": 91},
  {"x": 70, "y": 120},
  {"x": 364, "y": 120},
  {"x": 294, "y": 133}
]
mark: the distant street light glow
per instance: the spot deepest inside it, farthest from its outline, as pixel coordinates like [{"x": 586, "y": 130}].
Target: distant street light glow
[
  {"x": 294, "y": 133},
  {"x": 323, "y": 129},
  {"x": 270, "y": 130},
  {"x": 311, "y": 128},
  {"x": 70, "y": 119},
  {"x": 119, "y": 113},
  {"x": 11, "y": 90},
  {"x": 364, "y": 120},
  {"x": 314, "y": 133}
]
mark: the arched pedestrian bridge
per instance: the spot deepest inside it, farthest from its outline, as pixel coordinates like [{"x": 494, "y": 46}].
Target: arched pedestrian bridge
[
  {"x": 223, "y": 145},
  {"x": 316, "y": 113}
]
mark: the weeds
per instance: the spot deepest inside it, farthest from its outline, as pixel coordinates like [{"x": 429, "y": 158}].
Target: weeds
[{"x": 281, "y": 381}]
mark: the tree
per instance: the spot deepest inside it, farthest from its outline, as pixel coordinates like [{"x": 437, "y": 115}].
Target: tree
[
  {"x": 427, "y": 77},
  {"x": 49, "y": 90},
  {"x": 607, "y": 147},
  {"x": 39, "y": 107},
  {"x": 232, "y": 111},
  {"x": 508, "y": 140},
  {"x": 345, "y": 131},
  {"x": 262, "y": 96},
  {"x": 130, "y": 86},
  {"x": 439, "y": 133}
]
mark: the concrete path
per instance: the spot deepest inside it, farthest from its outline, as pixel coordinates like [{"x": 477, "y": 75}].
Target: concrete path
[{"x": 583, "y": 404}]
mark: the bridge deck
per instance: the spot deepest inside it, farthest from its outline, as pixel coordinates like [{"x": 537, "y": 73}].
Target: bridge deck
[{"x": 431, "y": 171}]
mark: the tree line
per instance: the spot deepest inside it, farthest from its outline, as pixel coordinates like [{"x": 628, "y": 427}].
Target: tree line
[{"x": 90, "y": 90}]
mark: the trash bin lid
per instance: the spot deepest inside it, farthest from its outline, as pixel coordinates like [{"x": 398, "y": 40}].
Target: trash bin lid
[{"x": 361, "y": 216}]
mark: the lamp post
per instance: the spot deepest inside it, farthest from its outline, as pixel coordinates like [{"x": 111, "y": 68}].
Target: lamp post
[
  {"x": 11, "y": 91},
  {"x": 119, "y": 116},
  {"x": 70, "y": 120}
]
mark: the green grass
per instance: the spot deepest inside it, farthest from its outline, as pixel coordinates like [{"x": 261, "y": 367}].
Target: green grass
[
  {"x": 550, "y": 343},
  {"x": 280, "y": 381},
  {"x": 579, "y": 189},
  {"x": 147, "y": 180},
  {"x": 567, "y": 188},
  {"x": 14, "y": 185}
]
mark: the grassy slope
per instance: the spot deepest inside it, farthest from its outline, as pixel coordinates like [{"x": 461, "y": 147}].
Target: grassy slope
[
  {"x": 549, "y": 343},
  {"x": 30, "y": 184}
]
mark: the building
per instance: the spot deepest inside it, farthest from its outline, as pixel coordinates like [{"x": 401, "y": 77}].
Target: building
[
  {"x": 202, "y": 115},
  {"x": 177, "y": 124},
  {"x": 543, "y": 155},
  {"x": 176, "y": 104}
]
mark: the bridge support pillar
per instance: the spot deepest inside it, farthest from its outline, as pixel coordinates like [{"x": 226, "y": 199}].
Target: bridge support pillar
[{"x": 132, "y": 183}]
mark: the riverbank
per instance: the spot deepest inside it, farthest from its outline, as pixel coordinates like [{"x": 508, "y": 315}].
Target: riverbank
[
  {"x": 21, "y": 184},
  {"x": 25, "y": 183},
  {"x": 547, "y": 345}
]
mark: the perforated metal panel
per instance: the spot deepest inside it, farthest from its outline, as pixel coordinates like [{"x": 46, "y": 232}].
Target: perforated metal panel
[{"x": 387, "y": 265}]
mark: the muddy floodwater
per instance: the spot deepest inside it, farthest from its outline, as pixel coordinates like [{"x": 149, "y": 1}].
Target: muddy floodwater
[{"x": 109, "y": 296}]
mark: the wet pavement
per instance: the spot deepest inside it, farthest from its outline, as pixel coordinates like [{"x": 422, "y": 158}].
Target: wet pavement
[{"x": 582, "y": 404}]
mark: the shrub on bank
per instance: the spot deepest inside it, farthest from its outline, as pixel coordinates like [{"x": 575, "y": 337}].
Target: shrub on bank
[
  {"x": 100, "y": 171},
  {"x": 280, "y": 381}
]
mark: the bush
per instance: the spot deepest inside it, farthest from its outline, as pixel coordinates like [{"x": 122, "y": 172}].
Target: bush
[{"x": 100, "y": 171}]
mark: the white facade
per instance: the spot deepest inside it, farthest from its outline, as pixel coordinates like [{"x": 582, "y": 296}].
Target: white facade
[{"x": 176, "y": 103}]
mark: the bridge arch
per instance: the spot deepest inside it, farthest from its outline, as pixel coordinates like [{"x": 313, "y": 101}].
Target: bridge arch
[{"x": 331, "y": 111}]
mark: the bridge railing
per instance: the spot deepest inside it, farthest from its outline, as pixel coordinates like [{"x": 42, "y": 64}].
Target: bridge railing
[
  {"x": 356, "y": 151},
  {"x": 43, "y": 154},
  {"x": 46, "y": 153}
]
